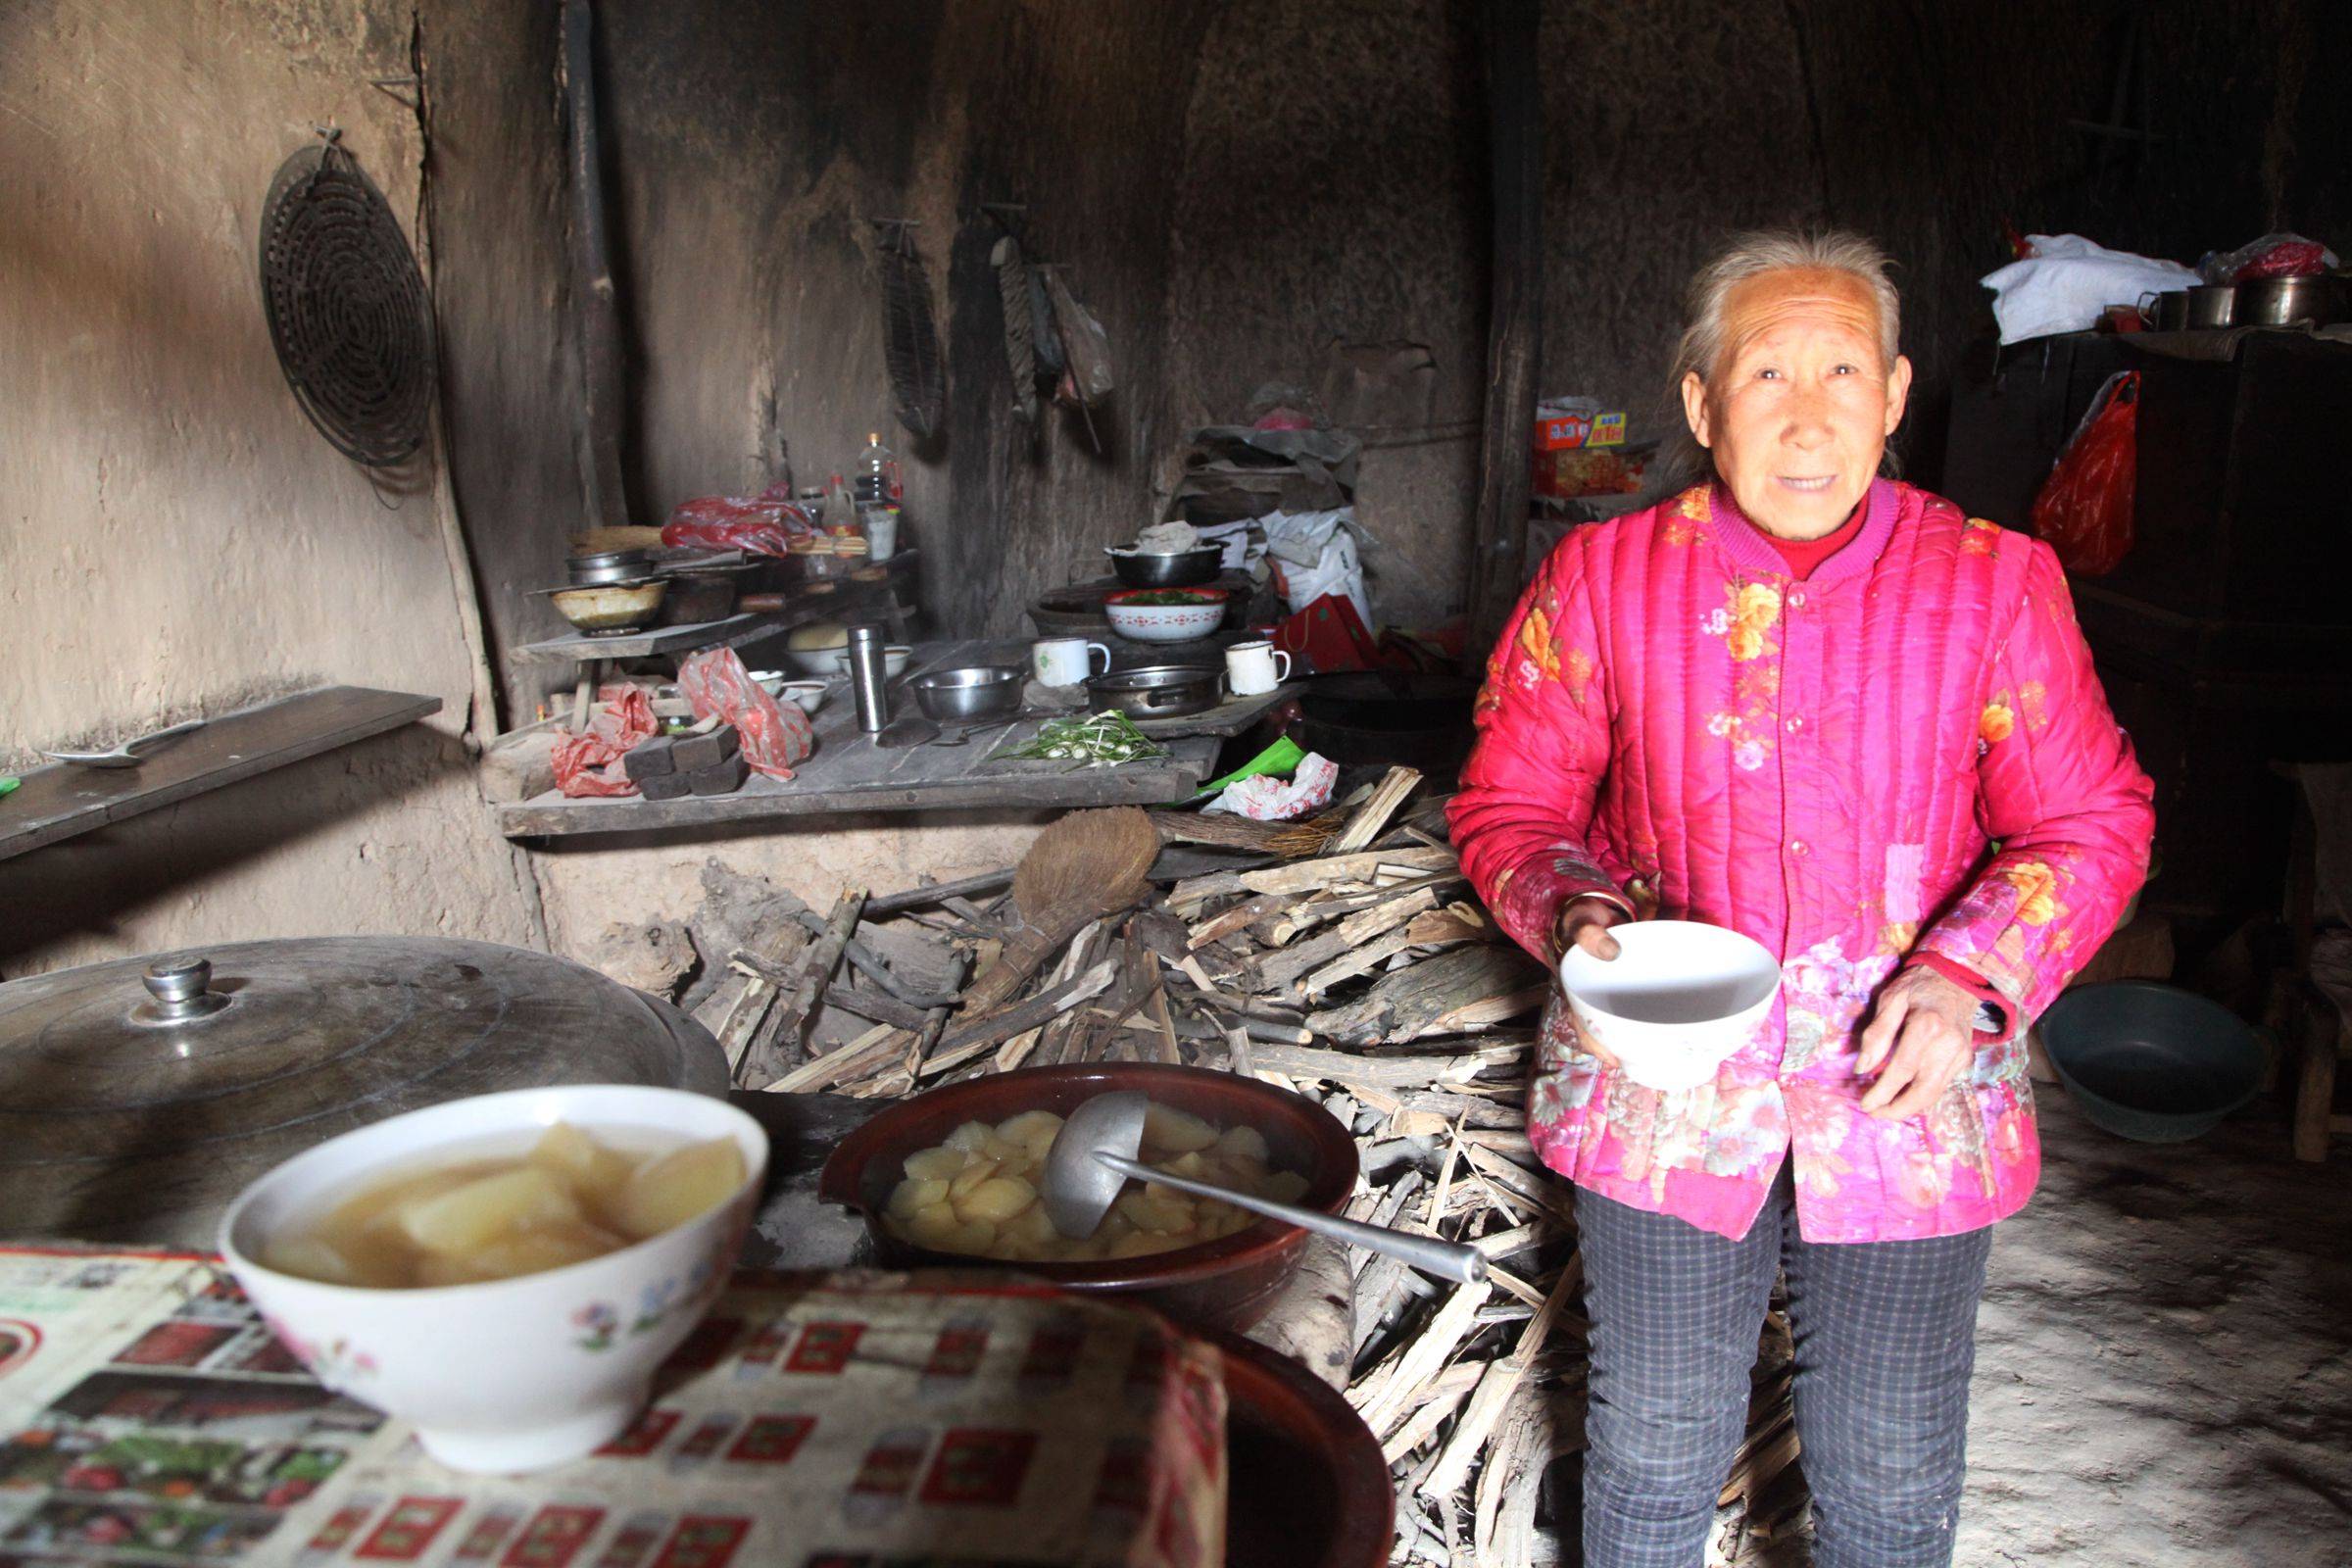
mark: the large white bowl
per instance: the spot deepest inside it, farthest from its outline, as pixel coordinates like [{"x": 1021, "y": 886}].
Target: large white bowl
[
  {"x": 1678, "y": 1000},
  {"x": 508, "y": 1375},
  {"x": 822, "y": 663},
  {"x": 1165, "y": 623}
]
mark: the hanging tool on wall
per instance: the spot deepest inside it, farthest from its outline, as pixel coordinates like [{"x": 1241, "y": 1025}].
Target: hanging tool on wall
[
  {"x": 909, "y": 337},
  {"x": 1086, "y": 377}
]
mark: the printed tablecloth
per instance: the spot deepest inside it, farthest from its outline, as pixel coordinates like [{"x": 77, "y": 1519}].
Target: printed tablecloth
[{"x": 839, "y": 1421}]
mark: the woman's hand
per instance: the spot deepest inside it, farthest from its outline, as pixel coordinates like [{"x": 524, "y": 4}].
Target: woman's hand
[
  {"x": 1919, "y": 1035},
  {"x": 1585, "y": 924}
]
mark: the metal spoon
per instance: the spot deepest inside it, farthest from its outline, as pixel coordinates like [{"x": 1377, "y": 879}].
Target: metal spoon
[
  {"x": 130, "y": 753},
  {"x": 1093, "y": 1154}
]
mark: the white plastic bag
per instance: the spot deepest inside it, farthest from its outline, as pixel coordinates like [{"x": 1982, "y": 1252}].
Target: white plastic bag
[
  {"x": 2067, "y": 283},
  {"x": 1267, "y": 798},
  {"x": 1313, "y": 554}
]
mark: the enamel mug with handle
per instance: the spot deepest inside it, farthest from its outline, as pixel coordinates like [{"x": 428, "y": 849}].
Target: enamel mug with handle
[
  {"x": 1255, "y": 668},
  {"x": 1065, "y": 661}
]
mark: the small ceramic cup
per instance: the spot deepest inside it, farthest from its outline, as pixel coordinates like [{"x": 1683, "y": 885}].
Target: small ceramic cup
[
  {"x": 1255, "y": 668},
  {"x": 1065, "y": 661}
]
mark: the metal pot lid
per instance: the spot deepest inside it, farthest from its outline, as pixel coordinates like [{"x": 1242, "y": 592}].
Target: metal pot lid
[{"x": 138, "y": 1096}]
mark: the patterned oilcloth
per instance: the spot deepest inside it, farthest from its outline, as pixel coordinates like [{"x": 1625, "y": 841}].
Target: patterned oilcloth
[{"x": 1906, "y": 752}]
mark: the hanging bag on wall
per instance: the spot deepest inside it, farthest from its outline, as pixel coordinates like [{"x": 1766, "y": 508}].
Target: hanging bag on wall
[{"x": 2085, "y": 509}]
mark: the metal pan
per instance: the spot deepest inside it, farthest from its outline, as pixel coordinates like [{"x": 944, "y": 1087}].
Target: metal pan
[{"x": 1158, "y": 691}]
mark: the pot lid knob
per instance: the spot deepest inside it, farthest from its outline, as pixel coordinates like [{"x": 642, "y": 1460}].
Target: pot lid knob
[{"x": 181, "y": 989}]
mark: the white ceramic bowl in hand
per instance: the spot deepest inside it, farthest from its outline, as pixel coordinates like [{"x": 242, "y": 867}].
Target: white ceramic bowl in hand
[
  {"x": 515, "y": 1374},
  {"x": 1675, "y": 1004}
]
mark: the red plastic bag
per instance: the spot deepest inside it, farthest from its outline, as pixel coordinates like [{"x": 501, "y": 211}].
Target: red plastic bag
[
  {"x": 589, "y": 765},
  {"x": 2085, "y": 509},
  {"x": 762, "y": 525},
  {"x": 773, "y": 735}
]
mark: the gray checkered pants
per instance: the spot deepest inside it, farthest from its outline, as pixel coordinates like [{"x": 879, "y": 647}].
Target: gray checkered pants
[{"x": 1886, "y": 1337}]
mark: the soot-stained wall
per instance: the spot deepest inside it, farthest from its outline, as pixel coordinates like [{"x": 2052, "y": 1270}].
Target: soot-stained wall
[{"x": 1281, "y": 191}]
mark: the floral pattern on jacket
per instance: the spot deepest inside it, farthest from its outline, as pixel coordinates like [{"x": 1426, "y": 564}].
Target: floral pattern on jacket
[{"x": 1905, "y": 753}]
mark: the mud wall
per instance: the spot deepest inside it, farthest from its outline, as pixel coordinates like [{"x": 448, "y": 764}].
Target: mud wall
[{"x": 176, "y": 538}]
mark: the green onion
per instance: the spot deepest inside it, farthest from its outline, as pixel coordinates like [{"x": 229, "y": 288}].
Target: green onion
[{"x": 1098, "y": 739}]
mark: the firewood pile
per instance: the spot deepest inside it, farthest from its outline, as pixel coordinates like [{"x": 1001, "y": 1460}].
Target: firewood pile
[{"x": 1344, "y": 958}]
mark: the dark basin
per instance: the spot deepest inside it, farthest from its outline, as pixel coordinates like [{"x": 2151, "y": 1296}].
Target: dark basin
[{"x": 2150, "y": 1061}]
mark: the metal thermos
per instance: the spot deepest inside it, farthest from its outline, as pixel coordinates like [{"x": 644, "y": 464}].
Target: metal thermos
[{"x": 869, "y": 668}]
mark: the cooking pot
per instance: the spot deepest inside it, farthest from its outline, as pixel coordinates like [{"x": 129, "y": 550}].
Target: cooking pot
[
  {"x": 138, "y": 1096},
  {"x": 1158, "y": 691},
  {"x": 2312, "y": 301}
]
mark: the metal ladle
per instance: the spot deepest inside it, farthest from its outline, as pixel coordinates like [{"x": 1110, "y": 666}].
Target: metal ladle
[{"x": 1093, "y": 1154}]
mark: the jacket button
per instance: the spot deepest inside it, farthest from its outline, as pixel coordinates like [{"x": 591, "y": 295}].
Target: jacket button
[
  {"x": 1796, "y": 600},
  {"x": 1795, "y": 724},
  {"x": 1796, "y": 845}
]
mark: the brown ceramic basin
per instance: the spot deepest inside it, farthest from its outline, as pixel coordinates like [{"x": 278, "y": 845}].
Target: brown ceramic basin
[{"x": 1228, "y": 1283}]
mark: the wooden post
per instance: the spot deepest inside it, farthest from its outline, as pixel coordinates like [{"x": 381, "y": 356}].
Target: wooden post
[
  {"x": 595, "y": 297},
  {"x": 1507, "y": 34}
]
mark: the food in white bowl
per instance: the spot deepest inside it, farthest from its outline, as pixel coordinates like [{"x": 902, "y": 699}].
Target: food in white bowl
[
  {"x": 822, "y": 650},
  {"x": 1677, "y": 1002},
  {"x": 806, "y": 695},
  {"x": 518, "y": 1373},
  {"x": 1165, "y": 615},
  {"x": 978, "y": 1193}
]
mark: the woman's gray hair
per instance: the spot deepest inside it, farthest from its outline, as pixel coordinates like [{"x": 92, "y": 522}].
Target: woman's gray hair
[{"x": 1704, "y": 307}]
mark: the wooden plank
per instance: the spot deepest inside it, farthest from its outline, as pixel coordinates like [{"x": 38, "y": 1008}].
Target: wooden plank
[
  {"x": 59, "y": 802},
  {"x": 1507, "y": 37}
]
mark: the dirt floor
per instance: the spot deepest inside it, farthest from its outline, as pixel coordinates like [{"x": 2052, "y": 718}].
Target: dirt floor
[{"x": 2163, "y": 1362}]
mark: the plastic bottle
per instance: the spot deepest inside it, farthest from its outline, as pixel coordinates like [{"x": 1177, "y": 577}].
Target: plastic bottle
[{"x": 877, "y": 474}]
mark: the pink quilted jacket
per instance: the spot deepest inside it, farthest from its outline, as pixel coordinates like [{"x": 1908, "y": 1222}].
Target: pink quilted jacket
[{"x": 1905, "y": 753}]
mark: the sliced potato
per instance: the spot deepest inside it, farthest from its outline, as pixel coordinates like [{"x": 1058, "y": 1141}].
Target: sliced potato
[
  {"x": 973, "y": 1136},
  {"x": 311, "y": 1258},
  {"x": 1033, "y": 1130},
  {"x": 913, "y": 1193},
  {"x": 995, "y": 1199},
  {"x": 677, "y": 1187},
  {"x": 1284, "y": 1187},
  {"x": 971, "y": 1176},
  {"x": 936, "y": 1164},
  {"x": 1243, "y": 1144},
  {"x": 596, "y": 1173},
  {"x": 1177, "y": 1132},
  {"x": 551, "y": 1246},
  {"x": 463, "y": 1219}
]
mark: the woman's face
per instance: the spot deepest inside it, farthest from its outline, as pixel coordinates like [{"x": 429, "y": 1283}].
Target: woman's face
[{"x": 1799, "y": 409}]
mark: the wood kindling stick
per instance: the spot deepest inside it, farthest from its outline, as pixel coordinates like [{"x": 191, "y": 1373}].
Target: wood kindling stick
[
  {"x": 871, "y": 1049},
  {"x": 1241, "y": 916},
  {"x": 1373, "y": 815},
  {"x": 1422, "y": 1358},
  {"x": 869, "y": 964},
  {"x": 779, "y": 1034},
  {"x": 967, "y": 1041},
  {"x": 1303, "y": 876},
  {"x": 936, "y": 893}
]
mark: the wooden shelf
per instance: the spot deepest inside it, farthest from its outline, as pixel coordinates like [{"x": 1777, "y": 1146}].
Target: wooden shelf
[
  {"x": 814, "y": 600},
  {"x": 850, "y": 773},
  {"x": 65, "y": 800}
]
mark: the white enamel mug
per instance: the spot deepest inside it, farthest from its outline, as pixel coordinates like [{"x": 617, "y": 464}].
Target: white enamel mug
[
  {"x": 1255, "y": 668},
  {"x": 1065, "y": 661}
]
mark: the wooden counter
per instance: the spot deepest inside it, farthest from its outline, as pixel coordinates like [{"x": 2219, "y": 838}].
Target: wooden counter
[{"x": 848, "y": 772}]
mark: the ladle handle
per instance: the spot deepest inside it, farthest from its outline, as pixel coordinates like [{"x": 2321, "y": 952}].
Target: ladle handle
[{"x": 1432, "y": 1255}]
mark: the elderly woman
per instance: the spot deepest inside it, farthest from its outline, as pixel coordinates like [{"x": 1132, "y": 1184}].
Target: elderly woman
[{"x": 1828, "y": 710}]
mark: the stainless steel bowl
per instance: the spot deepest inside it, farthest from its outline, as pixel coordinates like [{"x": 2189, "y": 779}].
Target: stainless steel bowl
[
  {"x": 1181, "y": 569},
  {"x": 610, "y": 566},
  {"x": 1158, "y": 691},
  {"x": 981, "y": 691}
]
